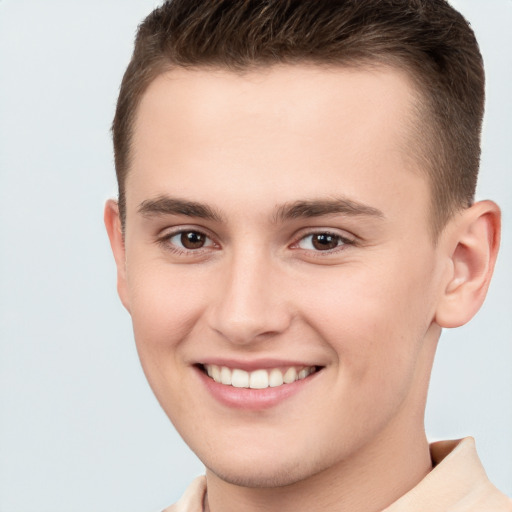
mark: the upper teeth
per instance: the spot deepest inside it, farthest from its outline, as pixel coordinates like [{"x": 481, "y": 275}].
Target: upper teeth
[{"x": 257, "y": 379}]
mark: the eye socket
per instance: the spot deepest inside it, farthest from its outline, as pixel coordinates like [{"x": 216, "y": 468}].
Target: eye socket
[
  {"x": 323, "y": 241},
  {"x": 192, "y": 240},
  {"x": 188, "y": 240}
]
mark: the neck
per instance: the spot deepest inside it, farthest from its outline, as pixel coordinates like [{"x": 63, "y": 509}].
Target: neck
[{"x": 369, "y": 482}]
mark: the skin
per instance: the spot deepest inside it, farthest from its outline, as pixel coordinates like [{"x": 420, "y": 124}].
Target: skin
[{"x": 368, "y": 311}]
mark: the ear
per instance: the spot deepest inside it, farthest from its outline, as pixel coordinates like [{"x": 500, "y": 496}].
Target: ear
[
  {"x": 115, "y": 234},
  {"x": 473, "y": 242}
]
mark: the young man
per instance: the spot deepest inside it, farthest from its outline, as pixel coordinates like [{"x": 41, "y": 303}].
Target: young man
[{"x": 295, "y": 226}]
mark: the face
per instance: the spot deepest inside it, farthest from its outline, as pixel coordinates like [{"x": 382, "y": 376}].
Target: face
[{"x": 279, "y": 268}]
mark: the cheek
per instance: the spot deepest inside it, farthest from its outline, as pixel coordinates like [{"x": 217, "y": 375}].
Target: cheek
[
  {"x": 374, "y": 318},
  {"x": 165, "y": 302},
  {"x": 165, "y": 308}
]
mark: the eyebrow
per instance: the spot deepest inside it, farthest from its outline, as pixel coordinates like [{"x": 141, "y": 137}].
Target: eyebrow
[
  {"x": 318, "y": 208},
  {"x": 165, "y": 205}
]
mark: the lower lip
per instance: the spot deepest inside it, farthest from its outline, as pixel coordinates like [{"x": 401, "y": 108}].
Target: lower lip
[{"x": 253, "y": 399}]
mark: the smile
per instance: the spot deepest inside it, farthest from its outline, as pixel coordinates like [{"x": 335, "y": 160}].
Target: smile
[{"x": 257, "y": 379}]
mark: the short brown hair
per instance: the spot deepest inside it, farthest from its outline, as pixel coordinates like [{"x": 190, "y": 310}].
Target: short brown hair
[{"x": 427, "y": 38}]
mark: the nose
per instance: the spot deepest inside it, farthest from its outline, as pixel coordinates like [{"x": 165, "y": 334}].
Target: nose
[{"x": 249, "y": 302}]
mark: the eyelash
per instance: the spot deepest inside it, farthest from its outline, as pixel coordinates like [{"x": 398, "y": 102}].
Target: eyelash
[
  {"x": 342, "y": 243},
  {"x": 165, "y": 241}
]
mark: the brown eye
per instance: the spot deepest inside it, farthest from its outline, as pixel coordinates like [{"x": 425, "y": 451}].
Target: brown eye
[
  {"x": 187, "y": 242},
  {"x": 192, "y": 239},
  {"x": 325, "y": 241}
]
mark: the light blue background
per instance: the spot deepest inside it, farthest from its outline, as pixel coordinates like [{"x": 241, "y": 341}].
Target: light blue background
[{"x": 79, "y": 428}]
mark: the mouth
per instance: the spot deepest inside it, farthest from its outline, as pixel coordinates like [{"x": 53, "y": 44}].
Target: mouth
[{"x": 262, "y": 378}]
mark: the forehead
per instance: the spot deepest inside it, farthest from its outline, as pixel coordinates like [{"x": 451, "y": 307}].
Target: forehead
[
  {"x": 280, "y": 97},
  {"x": 278, "y": 128}
]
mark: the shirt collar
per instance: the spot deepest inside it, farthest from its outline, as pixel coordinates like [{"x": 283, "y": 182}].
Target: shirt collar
[{"x": 457, "y": 474}]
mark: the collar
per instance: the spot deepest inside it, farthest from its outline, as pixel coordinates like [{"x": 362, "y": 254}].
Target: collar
[{"x": 458, "y": 483}]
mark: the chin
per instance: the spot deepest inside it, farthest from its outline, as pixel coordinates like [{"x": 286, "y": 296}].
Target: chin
[
  {"x": 258, "y": 478},
  {"x": 271, "y": 473}
]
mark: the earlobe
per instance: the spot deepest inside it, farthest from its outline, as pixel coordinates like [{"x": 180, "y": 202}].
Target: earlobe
[
  {"x": 474, "y": 243},
  {"x": 115, "y": 234}
]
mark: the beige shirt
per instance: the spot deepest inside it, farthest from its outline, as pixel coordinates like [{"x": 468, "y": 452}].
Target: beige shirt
[{"x": 457, "y": 483}]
